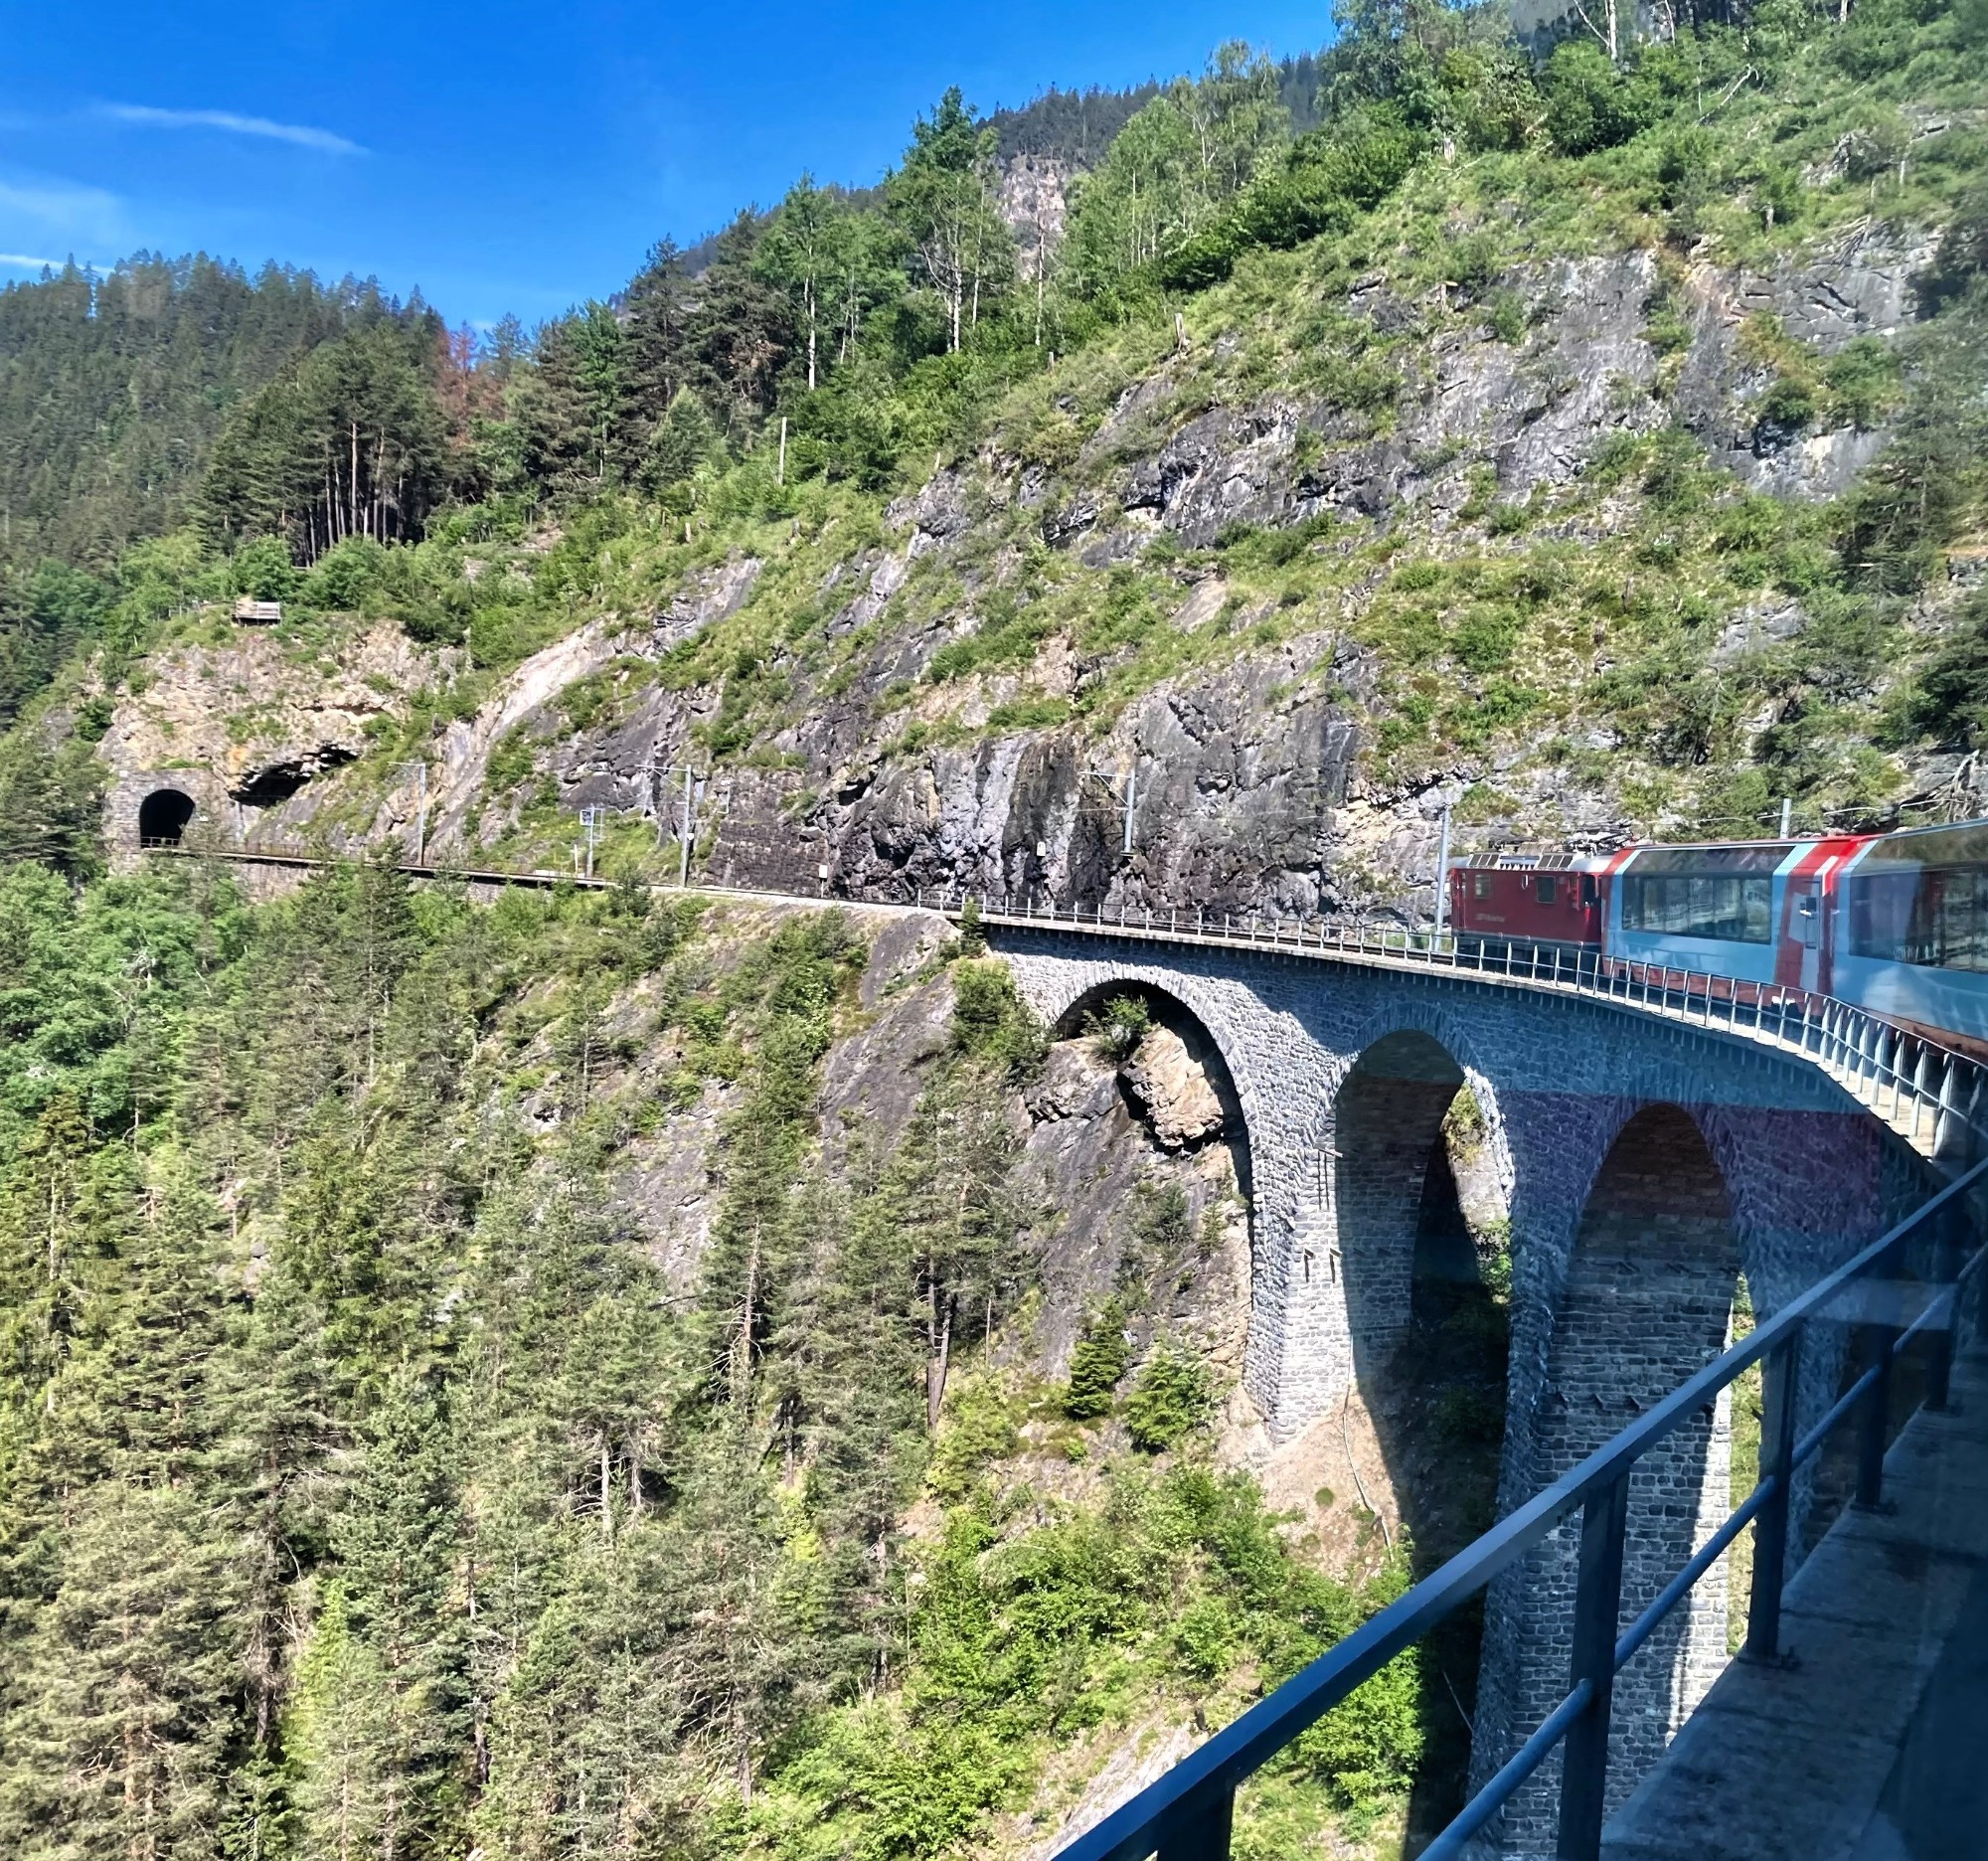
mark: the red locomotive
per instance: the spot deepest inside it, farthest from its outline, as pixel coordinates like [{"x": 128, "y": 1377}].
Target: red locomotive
[{"x": 1530, "y": 897}]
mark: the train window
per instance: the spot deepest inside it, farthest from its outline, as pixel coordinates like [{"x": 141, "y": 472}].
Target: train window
[
  {"x": 1935, "y": 916},
  {"x": 1729, "y": 908},
  {"x": 1543, "y": 889},
  {"x": 1480, "y": 885},
  {"x": 1590, "y": 891}
]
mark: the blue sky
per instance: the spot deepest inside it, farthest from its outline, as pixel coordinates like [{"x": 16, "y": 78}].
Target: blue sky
[{"x": 503, "y": 156}]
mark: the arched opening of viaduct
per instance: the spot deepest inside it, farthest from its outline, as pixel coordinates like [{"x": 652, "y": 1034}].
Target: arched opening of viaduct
[
  {"x": 1090, "y": 1010},
  {"x": 1400, "y": 1224},
  {"x": 1647, "y": 1299},
  {"x": 163, "y": 817},
  {"x": 1419, "y": 1176}
]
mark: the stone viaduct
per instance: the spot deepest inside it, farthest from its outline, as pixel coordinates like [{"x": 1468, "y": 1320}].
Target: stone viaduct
[{"x": 1648, "y": 1165}]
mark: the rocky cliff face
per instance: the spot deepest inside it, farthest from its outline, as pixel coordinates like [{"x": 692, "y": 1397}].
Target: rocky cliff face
[
  {"x": 1238, "y": 729},
  {"x": 1035, "y": 202},
  {"x": 1141, "y": 1167},
  {"x": 266, "y": 715}
]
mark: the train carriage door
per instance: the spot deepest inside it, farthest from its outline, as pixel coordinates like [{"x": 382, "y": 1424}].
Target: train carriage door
[
  {"x": 1818, "y": 931},
  {"x": 1807, "y": 929}
]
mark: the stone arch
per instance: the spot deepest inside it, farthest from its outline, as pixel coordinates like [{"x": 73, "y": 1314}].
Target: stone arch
[
  {"x": 1295, "y": 1357},
  {"x": 1225, "y": 1014},
  {"x": 1646, "y": 1301},
  {"x": 163, "y": 817},
  {"x": 1171, "y": 1011},
  {"x": 1427, "y": 1325}
]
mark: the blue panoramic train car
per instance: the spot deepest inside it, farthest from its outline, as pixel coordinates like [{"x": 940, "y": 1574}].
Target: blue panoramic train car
[
  {"x": 1911, "y": 940},
  {"x": 1714, "y": 909}
]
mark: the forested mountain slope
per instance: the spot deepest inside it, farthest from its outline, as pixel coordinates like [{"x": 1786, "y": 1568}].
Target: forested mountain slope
[
  {"x": 112, "y": 391},
  {"x": 583, "y": 1375},
  {"x": 589, "y": 1374}
]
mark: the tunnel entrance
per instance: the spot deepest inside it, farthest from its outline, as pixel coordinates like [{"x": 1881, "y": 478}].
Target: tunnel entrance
[{"x": 163, "y": 817}]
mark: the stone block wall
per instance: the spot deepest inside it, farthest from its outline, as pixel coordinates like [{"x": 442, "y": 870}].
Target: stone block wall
[
  {"x": 215, "y": 811},
  {"x": 1647, "y": 1301}
]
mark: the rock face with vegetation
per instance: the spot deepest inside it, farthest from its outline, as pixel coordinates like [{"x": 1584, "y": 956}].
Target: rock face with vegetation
[{"x": 595, "y": 1373}]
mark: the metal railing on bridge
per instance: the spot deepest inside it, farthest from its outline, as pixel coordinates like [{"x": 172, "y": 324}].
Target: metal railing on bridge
[
  {"x": 1187, "y": 1815},
  {"x": 1930, "y": 1094}
]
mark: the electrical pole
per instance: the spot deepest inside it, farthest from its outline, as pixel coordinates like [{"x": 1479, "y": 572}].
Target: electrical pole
[
  {"x": 1442, "y": 874},
  {"x": 683, "y": 844},
  {"x": 1128, "y": 801},
  {"x": 590, "y": 818},
  {"x": 1787, "y": 815}
]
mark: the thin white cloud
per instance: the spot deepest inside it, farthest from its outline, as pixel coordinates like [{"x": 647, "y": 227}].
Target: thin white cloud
[
  {"x": 60, "y": 207},
  {"x": 22, "y": 261},
  {"x": 301, "y": 135}
]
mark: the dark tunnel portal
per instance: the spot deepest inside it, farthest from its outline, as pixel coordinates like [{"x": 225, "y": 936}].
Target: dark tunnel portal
[{"x": 163, "y": 816}]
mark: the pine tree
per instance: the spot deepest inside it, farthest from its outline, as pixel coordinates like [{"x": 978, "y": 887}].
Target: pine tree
[
  {"x": 740, "y": 332},
  {"x": 127, "y": 1687},
  {"x": 658, "y": 336},
  {"x": 283, "y": 1427},
  {"x": 1097, "y": 1364},
  {"x": 394, "y": 1713}
]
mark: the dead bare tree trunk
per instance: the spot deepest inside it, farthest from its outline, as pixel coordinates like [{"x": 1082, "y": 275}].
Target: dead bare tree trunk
[{"x": 942, "y": 1352}]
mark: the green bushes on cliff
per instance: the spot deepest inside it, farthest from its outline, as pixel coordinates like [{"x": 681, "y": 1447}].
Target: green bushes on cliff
[
  {"x": 1170, "y": 1398},
  {"x": 1324, "y": 183}
]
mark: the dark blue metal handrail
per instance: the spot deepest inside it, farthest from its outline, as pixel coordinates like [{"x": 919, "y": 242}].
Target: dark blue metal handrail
[{"x": 1186, "y": 1812}]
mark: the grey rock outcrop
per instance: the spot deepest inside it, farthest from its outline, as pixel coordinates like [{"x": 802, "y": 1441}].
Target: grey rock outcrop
[
  {"x": 1862, "y": 287},
  {"x": 1180, "y": 1102}
]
